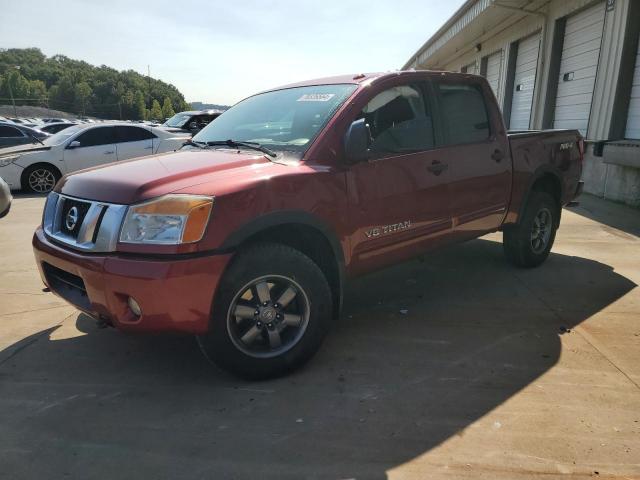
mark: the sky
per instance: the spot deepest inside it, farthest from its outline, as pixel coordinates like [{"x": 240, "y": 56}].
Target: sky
[{"x": 220, "y": 52}]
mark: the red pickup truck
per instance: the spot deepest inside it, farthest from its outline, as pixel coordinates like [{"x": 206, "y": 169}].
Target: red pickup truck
[{"x": 246, "y": 236}]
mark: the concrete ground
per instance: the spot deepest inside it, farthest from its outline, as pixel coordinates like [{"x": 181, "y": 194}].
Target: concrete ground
[{"x": 457, "y": 366}]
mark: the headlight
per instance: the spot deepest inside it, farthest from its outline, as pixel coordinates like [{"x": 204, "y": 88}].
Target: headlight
[
  {"x": 168, "y": 220},
  {"x": 8, "y": 160}
]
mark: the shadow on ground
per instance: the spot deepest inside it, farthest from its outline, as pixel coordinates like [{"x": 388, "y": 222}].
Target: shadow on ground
[
  {"x": 423, "y": 350},
  {"x": 608, "y": 213}
]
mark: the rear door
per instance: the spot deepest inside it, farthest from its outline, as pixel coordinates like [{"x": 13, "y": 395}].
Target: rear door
[
  {"x": 97, "y": 147},
  {"x": 133, "y": 142},
  {"x": 398, "y": 198},
  {"x": 477, "y": 155}
]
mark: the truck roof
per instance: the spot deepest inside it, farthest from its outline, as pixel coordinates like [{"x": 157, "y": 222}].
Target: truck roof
[{"x": 358, "y": 78}]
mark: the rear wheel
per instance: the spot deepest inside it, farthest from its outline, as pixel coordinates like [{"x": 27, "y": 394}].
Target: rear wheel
[
  {"x": 528, "y": 244},
  {"x": 40, "y": 179},
  {"x": 271, "y": 313}
]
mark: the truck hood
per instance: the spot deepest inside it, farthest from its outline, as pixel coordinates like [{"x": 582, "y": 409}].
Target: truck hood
[{"x": 140, "y": 179}]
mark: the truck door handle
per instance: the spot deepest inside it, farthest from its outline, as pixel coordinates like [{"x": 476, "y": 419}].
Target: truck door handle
[
  {"x": 109, "y": 152},
  {"x": 148, "y": 148},
  {"x": 497, "y": 155},
  {"x": 437, "y": 168}
]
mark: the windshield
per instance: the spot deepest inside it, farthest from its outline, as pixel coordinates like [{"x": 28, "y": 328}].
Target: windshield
[
  {"x": 286, "y": 119},
  {"x": 178, "y": 120},
  {"x": 62, "y": 135}
]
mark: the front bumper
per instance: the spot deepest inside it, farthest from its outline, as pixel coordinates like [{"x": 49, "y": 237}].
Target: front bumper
[
  {"x": 175, "y": 294},
  {"x": 11, "y": 174}
]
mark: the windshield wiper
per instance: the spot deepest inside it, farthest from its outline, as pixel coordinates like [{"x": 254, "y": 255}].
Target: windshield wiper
[
  {"x": 250, "y": 145},
  {"x": 34, "y": 137},
  {"x": 194, "y": 144}
]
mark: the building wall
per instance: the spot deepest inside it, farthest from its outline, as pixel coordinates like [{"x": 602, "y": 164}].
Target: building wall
[{"x": 603, "y": 175}]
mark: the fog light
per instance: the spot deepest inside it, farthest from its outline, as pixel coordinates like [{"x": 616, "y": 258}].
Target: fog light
[{"x": 135, "y": 308}]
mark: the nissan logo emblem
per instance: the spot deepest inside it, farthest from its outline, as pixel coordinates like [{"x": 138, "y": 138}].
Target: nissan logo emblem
[{"x": 72, "y": 218}]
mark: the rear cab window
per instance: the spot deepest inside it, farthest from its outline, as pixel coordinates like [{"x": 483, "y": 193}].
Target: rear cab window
[{"x": 463, "y": 113}]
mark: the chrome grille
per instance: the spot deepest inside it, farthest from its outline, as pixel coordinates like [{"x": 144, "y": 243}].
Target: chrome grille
[{"x": 98, "y": 223}]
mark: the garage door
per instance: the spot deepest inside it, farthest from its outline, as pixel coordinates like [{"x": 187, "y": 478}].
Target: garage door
[
  {"x": 578, "y": 67},
  {"x": 633, "y": 118},
  {"x": 494, "y": 68},
  {"x": 471, "y": 68},
  {"x": 524, "y": 82}
]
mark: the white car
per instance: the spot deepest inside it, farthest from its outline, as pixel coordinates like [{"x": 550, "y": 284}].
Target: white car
[{"x": 37, "y": 168}]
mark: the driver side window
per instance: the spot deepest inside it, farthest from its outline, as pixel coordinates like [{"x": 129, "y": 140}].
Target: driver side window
[
  {"x": 97, "y": 136},
  {"x": 399, "y": 121}
]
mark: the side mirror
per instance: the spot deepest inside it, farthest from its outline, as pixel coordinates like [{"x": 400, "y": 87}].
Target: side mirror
[
  {"x": 193, "y": 126},
  {"x": 74, "y": 144},
  {"x": 357, "y": 141}
]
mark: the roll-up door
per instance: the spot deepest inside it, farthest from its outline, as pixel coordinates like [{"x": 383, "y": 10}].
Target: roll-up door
[
  {"x": 471, "y": 68},
  {"x": 633, "y": 117},
  {"x": 524, "y": 82},
  {"x": 578, "y": 68},
  {"x": 494, "y": 69}
]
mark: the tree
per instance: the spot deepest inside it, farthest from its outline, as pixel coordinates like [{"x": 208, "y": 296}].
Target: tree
[
  {"x": 156, "y": 110},
  {"x": 167, "y": 108},
  {"x": 74, "y": 85},
  {"x": 82, "y": 92},
  {"x": 141, "y": 108}
]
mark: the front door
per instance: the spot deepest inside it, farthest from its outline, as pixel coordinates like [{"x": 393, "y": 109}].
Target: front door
[
  {"x": 477, "y": 154},
  {"x": 398, "y": 198},
  {"x": 96, "y": 147}
]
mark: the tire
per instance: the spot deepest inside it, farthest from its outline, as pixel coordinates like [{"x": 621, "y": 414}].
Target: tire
[
  {"x": 528, "y": 244},
  {"x": 39, "y": 178},
  {"x": 254, "y": 336}
]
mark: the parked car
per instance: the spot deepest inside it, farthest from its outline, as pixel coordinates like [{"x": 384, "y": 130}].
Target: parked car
[
  {"x": 37, "y": 168},
  {"x": 14, "y": 134},
  {"x": 5, "y": 198},
  {"x": 55, "y": 127},
  {"x": 246, "y": 238},
  {"x": 191, "y": 121}
]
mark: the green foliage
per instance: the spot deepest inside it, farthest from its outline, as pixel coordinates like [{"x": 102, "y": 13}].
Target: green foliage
[
  {"x": 141, "y": 109},
  {"x": 156, "y": 110},
  {"x": 78, "y": 87},
  {"x": 167, "y": 108}
]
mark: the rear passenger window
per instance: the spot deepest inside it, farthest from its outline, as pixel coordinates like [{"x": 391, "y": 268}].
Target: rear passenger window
[
  {"x": 10, "y": 132},
  {"x": 399, "y": 121},
  {"x": 132, "y": 134},
  {"x": 97, "y": 136},
  {"x": 464, "y": 113}
]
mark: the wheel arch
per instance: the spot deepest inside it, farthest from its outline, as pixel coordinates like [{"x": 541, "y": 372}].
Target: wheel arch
[
  {"x": 27, "y": 169},
  {"x": 303, "y": 232},
  {"x": 545, "y": 179}
]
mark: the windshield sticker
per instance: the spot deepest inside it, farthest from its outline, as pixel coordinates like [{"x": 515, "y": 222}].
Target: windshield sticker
[{"x": 316, "y": 97}]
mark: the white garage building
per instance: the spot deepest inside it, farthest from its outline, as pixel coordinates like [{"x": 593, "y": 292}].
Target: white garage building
[{"x": 557, "y": 64}]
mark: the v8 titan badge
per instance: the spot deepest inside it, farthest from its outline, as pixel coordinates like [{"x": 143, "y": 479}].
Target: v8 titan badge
[{"x": 387, "y": 229}]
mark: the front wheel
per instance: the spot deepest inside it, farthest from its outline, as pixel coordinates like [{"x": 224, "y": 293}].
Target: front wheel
[
  {"x": 39, "y": 179},
  {"x": 271, "y": 313},
  {"x": 528, "y": 244}
]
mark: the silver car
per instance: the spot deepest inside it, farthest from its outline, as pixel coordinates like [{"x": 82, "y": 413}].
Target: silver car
[{"x": 5, "y": 198}]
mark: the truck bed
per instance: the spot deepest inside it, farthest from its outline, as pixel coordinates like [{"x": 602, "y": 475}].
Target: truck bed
[{"x": 535, "y": 153}]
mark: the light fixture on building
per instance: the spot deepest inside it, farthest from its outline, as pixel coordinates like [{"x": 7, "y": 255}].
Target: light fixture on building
[{"x": 478, "y": 47}]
